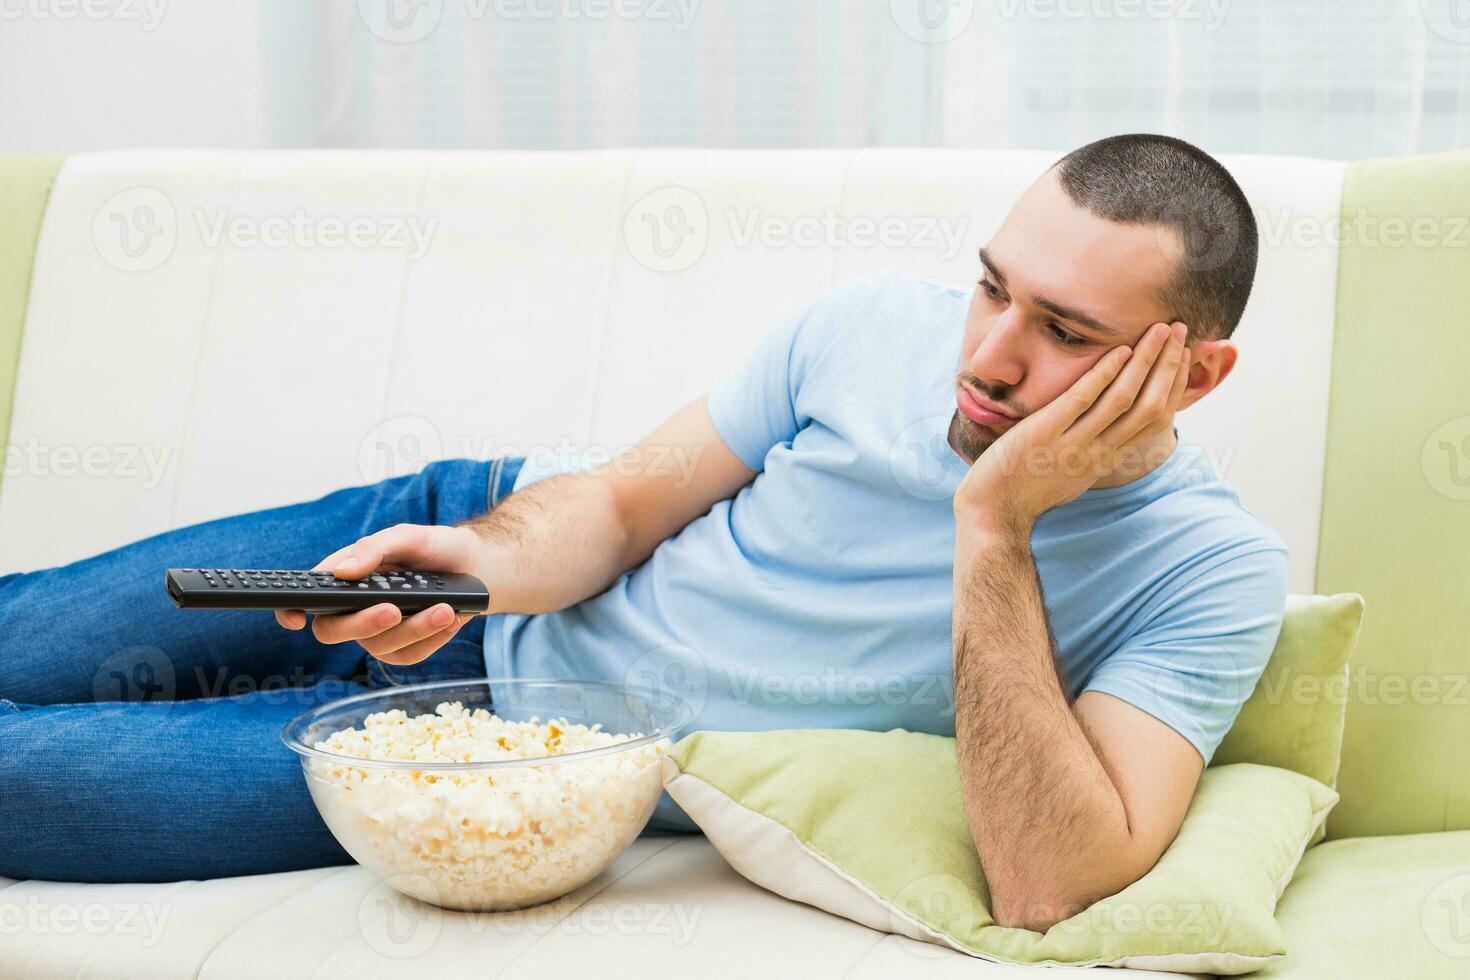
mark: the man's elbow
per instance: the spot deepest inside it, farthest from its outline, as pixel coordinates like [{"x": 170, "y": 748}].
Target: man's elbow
[
  {"x": 1035, "y": 910},
  {"x": 1039, "y": 905}
]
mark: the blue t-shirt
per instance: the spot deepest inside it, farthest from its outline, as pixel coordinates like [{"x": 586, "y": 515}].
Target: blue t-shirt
[{"x": 820, "y": 595}]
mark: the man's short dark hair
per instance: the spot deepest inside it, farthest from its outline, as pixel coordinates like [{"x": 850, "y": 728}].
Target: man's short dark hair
[{"x": 1142, "y": 178}]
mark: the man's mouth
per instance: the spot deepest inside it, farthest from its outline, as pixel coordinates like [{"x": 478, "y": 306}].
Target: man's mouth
[{"x": 977, "y": 408}]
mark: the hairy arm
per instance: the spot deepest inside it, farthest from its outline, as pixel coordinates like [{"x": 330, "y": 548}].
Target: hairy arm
[
  {"x": 546, "y": 547},
  {"x": 565, "y": 539},
  {"x": 1067, "y": 802}
]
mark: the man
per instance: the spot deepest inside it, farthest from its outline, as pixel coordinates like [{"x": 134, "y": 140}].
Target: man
[{"x": 964, "y": 512}]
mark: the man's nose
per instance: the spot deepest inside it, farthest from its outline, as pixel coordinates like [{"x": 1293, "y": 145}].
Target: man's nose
[{"x": 998, "y": 359}]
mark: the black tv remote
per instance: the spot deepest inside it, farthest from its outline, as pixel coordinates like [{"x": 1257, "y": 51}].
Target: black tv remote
[{"x": 322, "y": 593}]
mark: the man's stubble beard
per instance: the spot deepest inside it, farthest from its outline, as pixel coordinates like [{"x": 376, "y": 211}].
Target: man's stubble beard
[{"x": 969, "y": 438}]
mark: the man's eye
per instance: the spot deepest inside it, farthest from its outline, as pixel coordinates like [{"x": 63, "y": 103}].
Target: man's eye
[
  {"x": 990, "y": 289},
  {"x": 1064, "y": 337}
]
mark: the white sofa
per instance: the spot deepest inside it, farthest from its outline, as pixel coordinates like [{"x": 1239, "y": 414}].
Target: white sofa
[{"x": 541, "y": 316}]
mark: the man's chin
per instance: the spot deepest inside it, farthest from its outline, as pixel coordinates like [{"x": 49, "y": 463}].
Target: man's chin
[{"x": 969, "y": 438}]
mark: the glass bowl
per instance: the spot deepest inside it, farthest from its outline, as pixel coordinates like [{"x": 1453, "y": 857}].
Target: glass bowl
[{"x": 492, "y": 835}]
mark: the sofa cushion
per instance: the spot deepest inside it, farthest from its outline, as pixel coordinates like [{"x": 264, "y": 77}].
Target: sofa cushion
[
  {"x": 1396, "y": 495},
  {"x": 1294, "y": 718},
  {"x": 871, "y": 825},
  {"x": 25, "y": 183},
  {"x": 1375, "y": 907},
  {"x": 669, "y": 906}
]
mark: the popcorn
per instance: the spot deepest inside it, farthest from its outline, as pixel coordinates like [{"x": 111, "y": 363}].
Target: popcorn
[{"x": 490, "y": 838}]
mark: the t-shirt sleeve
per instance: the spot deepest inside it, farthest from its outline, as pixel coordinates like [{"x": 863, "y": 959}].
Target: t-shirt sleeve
[
  {"x": 538, "y": 466},
  {"x": 758, "y": 406},
  {"x": 1198, "y": 659}
]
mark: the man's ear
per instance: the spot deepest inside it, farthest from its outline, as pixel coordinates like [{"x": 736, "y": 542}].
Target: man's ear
[{"x": 1211, "y": 361}]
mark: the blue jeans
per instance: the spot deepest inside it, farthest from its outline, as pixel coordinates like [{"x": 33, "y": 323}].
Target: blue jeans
[{"x": 139, "y": 742}]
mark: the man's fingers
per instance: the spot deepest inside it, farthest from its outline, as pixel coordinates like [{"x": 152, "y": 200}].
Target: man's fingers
[
  {"x": 356, "y": 564},
  {"x": 416, "y": 637},
  {"x": 1139, "y": 391},
  {"x": 329, "y": 562},
  {"x": 1166, "y": 419},
  {"x": 1085, "y": 390},
  {"x": 356, "y": 626},
  {"x": 399, "y": 546},
  {"x": 1181, "y": 381},
  {"x": 1154, "y": 410},
  {"x": 415, "y": 652},
  {"x": 292, "y": 619}
]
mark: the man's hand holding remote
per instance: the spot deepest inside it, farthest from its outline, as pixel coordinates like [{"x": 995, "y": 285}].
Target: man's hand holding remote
[{"x": 382, "y": 629}]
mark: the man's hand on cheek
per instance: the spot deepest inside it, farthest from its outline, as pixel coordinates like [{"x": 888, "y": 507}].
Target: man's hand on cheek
[{"x": 1057, "y": 452}]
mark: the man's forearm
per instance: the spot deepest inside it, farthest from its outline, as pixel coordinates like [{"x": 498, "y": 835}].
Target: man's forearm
[
  {"x": 553, "y": 544},
  {"x": 1048, "y": 821}
]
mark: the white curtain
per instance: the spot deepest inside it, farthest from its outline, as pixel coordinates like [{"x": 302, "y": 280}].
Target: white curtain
[{"x": 1332, "y": 78}]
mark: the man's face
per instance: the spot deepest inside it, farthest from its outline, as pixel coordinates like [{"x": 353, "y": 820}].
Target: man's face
[{"x": 1059, "y": 288}]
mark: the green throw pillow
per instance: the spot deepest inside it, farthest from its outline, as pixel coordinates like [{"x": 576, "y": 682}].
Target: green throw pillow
[
  {"x": 1294, "y": 719},
  {"x": 871, "y": 826}
]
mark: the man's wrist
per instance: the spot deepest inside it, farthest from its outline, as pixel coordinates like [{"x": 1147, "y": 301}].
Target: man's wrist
[
  {"x": 483, "y": 555},
  {"x": 987, "y": 527}
]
